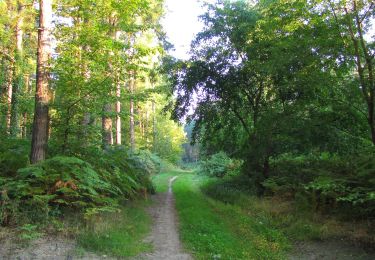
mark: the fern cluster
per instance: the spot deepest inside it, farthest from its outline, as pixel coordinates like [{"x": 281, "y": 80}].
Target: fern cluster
[{"x": 89, "y": 182}]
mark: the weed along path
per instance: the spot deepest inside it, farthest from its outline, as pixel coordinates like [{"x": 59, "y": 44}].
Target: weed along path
[{"x": 164, "y": 235}]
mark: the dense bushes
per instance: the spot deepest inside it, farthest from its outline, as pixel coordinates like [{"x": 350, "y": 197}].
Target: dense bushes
[
  {"x": 219, "y": 165},
  {"x": 89, "y": 182},
  {"x": 343, "y": 184},
  {"x": 13, "y": 155},
  {"x": 322, "y": 182}
]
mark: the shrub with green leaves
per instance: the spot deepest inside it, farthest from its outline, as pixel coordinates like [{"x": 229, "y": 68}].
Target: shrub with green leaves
[
  {"x": 13, "y": 156},
  {"x": 127, "y": 171},
  {"x": 330, "y": 182},
  {"x": 219, "y": 165}
]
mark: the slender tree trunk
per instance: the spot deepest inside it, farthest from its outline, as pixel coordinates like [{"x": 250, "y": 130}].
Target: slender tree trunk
[
  {"x": 118, "y": 96},
  {"x": 18, "y": 77},
  {"x": 9, "y": 95},
  {"x": 153, "y": 107},
  {"x": 131, "y": 129},
  {"x": 87, "y": 118},
  {"x": 147, "y": 126},
  {"x": 118, "y": 117},
  {"x": 140, "y": 122},
  {"x": 364, "y": 62},
  {"x": 25, "y": 114},
  {"x": 107, "y": 126},
  {"x": 24, "y": 125},
  {"x": 39, "y": 140}
]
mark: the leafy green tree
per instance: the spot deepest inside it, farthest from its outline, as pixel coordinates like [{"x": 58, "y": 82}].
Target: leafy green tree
[{"x": 266, "y": 81}]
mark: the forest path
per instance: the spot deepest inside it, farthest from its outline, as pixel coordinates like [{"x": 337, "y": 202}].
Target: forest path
[{"x": 164, "y": 235}]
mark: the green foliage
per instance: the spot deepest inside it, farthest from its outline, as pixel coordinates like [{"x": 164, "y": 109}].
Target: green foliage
[
  {"x": 331, "y": 183},
  {"x": 219, "y": 165},
  {"x": 169, "y": 139},
  {"x": 146, "y": 162},
  {"x": 29, "y": 232},
  {"x": 138, "y": 167},
  {"x": 13, "y": 156},
  {"x": 55, "y": 184},
  {"x": 39, "y": 192},
  {"x": 233, "y": 190},
  {"x": 274, "y": 86}
]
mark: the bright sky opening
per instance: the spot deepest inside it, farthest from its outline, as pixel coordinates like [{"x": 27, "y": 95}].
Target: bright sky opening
[{"x": 181, "y": 23}]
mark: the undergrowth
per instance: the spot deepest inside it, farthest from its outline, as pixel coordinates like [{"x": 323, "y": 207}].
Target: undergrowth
[
  {"x": 89, "y": 182},
  {"x": 293, "y": 217},
  {"x": 118, "y": 234}
]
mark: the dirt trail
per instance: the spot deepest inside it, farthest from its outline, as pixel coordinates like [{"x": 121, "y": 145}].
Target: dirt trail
[{"x": 164, "y": 235}]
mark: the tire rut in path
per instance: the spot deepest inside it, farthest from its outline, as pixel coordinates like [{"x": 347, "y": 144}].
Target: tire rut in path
[{"x": 164, "y": 235}]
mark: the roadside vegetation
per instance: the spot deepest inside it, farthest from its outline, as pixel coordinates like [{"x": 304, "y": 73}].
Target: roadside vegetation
[{"x": 219, "y": 220}]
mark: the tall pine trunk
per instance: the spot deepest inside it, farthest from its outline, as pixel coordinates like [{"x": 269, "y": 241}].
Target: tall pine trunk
[{"x": 39, "y": 140}]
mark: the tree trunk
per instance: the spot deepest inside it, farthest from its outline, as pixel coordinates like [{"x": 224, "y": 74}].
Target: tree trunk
[
  {"x": 9, "y": 94},
  {"x": 107, "y": 134},
  {"x": 131, "y": 129},
  {"x": 25, "y": 114},
  {"x": 118, "y": 111},
  {"x": 24, "y": 126},
  {"x": 118, "y": 96},
  {"x": 364, "y": 62},
  {"x": 18, "y": 77},
  {"x": 118, "y": 118},
  {"x": 153, "y": 107},
  {"x": 147, "y": 126},
  {"x": 39, "y": 140},
  {"x": 140, "y": 122}
]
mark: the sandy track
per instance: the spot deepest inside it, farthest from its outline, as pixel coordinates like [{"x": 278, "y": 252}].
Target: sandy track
[{"x": 164, "y": 235}]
